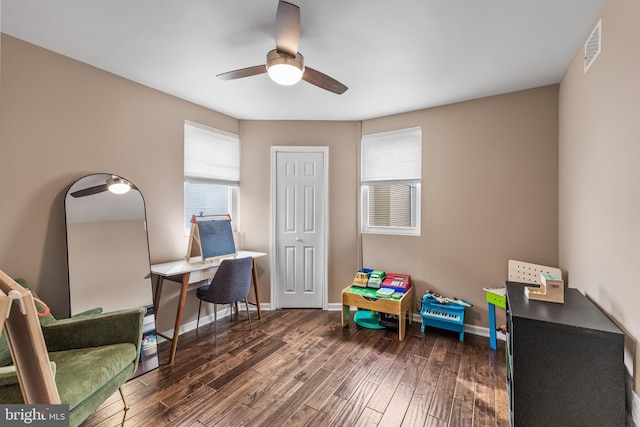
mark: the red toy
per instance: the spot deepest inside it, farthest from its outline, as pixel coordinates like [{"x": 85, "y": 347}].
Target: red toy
[{"x": 397, "y": 282}]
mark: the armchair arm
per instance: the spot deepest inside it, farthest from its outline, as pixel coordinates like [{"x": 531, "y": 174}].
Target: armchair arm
[{"x": 122, "y": 326}]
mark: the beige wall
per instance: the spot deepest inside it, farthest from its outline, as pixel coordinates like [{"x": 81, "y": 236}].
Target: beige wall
[
  {"x": 60, "y": 120},
  {"x": 599, "y": 171},
  {"x": 489, "y": 178},
  {"x": 489, "y": 194},
  {"x": 255, "y": 211}
]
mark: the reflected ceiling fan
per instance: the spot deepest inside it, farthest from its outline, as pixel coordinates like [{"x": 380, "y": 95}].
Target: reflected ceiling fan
[
  {"x": 114, "y": 184},
  {"x": 285, "y": 65}
]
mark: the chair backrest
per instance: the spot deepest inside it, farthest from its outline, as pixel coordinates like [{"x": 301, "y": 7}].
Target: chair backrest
[
  {"x": 524, "y": 272},
  {"x": 26, "y": 342},
  {"x": 231, "y": 282}
]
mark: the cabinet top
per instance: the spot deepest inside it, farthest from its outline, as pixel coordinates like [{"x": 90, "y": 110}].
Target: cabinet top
[{"x": 577, "y": 311}]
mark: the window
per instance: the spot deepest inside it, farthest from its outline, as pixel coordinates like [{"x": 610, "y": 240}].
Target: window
[
  {"x": 390, "y": 182},
  {"x": 211, "y": 172}
]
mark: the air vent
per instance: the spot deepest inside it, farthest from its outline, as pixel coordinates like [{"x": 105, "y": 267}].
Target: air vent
[{"x": 592, "y": 46}]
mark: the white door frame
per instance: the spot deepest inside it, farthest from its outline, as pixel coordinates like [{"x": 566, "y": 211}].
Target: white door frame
[{"x": 273, "y": 264}]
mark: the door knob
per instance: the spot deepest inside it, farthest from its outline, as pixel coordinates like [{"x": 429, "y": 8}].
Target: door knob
[{"x": 298, "y": 239}]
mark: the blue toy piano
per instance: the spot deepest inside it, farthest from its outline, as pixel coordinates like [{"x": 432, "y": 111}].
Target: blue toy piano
[{"x": 447, "y": 315}]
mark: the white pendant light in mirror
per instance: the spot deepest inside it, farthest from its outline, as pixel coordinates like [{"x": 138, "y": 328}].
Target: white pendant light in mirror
[{"x": 118, "y": 185}]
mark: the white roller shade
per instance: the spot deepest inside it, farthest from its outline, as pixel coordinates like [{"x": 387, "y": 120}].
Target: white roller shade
[
  {"x": 211, "y": 155},
  {"x": 394, "y": 156}
]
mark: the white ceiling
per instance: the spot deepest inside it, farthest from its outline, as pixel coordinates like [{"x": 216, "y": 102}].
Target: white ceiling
[{"x": 395, "y": 56}]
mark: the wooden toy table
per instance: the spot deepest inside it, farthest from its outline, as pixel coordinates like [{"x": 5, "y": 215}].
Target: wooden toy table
[{"x": 365, "y": 298}]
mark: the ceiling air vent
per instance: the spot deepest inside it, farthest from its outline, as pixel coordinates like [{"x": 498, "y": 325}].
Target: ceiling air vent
[{"x": 592, "y": 46}]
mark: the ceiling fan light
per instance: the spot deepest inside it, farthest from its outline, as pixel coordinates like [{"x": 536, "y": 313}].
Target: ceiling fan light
[
  {"x": 118, "y": 185},
  {"x": 284, "y": 69}
]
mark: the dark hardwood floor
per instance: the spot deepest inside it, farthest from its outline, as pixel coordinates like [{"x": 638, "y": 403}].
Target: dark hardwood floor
[{"x": 301, "y": 368}]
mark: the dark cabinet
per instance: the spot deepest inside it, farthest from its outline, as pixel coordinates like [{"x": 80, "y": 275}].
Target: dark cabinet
[{"x": 565, "y": 362}]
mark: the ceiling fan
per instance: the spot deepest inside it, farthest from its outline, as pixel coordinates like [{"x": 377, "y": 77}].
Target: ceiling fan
[
  {"x": 114, "y": 184},
  {"x": 285, "y": 65}
]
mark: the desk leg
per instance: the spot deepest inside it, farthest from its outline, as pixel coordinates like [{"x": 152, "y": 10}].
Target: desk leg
[
  {"x": 156, "y": 296},
  {"x": 176, "y": 329},
  {"x": 254, "y": 279},
  {"x": 492, "y": 326}
]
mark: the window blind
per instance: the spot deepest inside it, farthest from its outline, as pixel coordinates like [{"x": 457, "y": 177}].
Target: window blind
[
  {"x": 391, "y": 205},
  {"x": 211, "y": 155},
  {"x": 394, "y": 156}
]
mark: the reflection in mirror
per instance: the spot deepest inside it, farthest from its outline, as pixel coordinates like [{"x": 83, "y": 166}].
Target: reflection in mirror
[{"x": 108, "y": 252}]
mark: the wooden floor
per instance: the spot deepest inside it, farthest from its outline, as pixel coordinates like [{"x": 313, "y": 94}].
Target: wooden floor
[{"x": 301, "y": 368}]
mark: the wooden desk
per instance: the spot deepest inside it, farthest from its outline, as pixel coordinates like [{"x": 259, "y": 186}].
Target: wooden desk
[
  {"x": 351, "y": 296},
  {"x": 185, "y": 272}
]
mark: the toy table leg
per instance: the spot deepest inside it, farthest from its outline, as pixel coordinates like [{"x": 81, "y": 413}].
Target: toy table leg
[
  {"x": 492, "y": 326},
  {"x": 345, "y": 315}
]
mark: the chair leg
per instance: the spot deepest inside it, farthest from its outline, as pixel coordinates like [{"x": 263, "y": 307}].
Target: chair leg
[
  {"x": 246, "y": 304},
  {"x": 126, "y": 407},
  {"x": 198, "y": 321},
  {"x": 215, "y": 324}
]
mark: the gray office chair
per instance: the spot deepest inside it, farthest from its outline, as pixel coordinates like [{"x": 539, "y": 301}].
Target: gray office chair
[{"x": 229, "y": 285}]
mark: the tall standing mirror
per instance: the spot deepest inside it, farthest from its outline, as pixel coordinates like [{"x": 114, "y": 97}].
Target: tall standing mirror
[{"x": 108, "y": 253}]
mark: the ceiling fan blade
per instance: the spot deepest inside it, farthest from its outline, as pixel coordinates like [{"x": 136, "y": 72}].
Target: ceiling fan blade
[
  {"x": 243, "y": 72},
  {"x": 89, "y": 191},
  {"x": 287, "y": 28},
  {"x": 323, "y": 81}
]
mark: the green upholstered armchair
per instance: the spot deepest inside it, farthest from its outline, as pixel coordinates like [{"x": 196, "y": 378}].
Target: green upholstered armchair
[{"x": 90, "y": 355}]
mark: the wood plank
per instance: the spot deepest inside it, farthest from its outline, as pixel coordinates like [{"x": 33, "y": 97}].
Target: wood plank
[
  {"x": 484, "y": 402},
  {"x": 398, "y": 406},
  {"x": 351, "y": 383},
  {"x": 301, "y": 416},
  {"x": 300, "y": 367},
  {"x": 445, "y": 389},
  {"x": 355, "y": 405},
  {"x": 436, "y": 422},
  {"x": 435, "y": 361},
  {"x": 466, "y": 381},
  {"x": 327, "y": 412},
  {"x": 368, "y": 418},
  {"x": 266, "y": 350},
  {"x": 418, "y": 410},
  {"x": 293, "y": 403},
  {"x": 387, "y": 387},
  {"x": 461, "y": 413}
]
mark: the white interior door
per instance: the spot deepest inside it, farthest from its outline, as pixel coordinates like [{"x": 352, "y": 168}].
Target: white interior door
[{"x": 299, "y": 229}]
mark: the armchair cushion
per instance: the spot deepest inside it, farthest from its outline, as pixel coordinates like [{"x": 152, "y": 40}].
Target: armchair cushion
[
  {"x": 82, "y": 372},
  {"x": 8, "y": 374}
]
